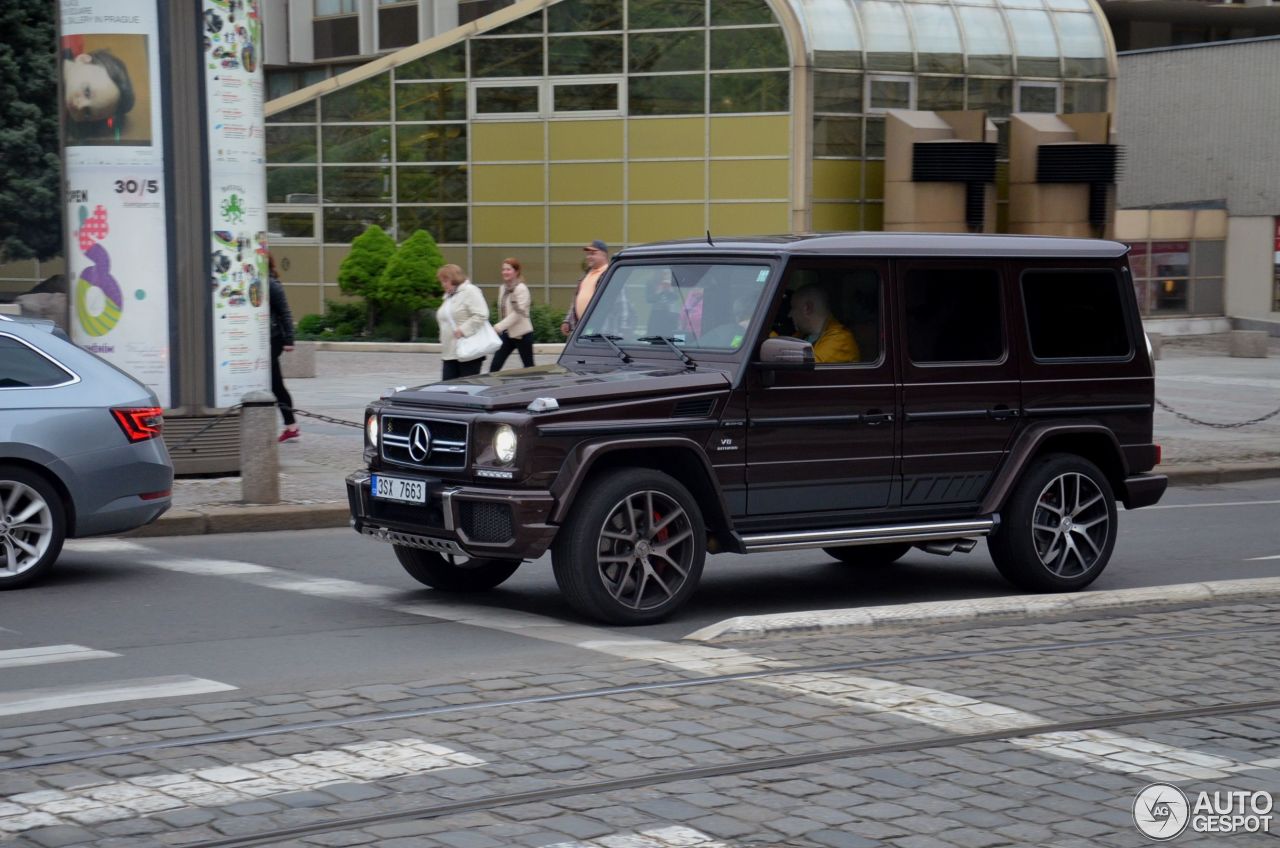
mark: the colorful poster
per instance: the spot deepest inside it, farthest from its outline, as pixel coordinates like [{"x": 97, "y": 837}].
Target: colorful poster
[
  {"x": 116, "y": 225},
  {"x": 237, "y": 197}
]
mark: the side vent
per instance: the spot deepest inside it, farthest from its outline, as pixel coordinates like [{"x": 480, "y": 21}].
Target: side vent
[
  {"x": 1097, "y": 165},
  {"x": 970, "y": 162},
  {"x": 693, "y": 408}
]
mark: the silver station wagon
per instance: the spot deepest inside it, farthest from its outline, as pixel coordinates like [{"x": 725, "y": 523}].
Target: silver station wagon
[{"x": 80, "y": 449}]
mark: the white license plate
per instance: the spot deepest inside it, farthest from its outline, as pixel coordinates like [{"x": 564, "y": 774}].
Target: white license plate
[{"x": 398, "y": 489}]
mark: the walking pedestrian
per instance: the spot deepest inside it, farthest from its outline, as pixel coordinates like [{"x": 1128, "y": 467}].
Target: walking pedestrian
[
  {"x": 597, "y": 256},
  {"x": 463, "y": 313},
  {"x": 513, "y": 325},
  {"x": 281, "y": 340}
]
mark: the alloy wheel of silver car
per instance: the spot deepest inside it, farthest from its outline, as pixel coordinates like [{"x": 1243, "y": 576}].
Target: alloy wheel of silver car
[
  {"x": 26, "y": 528},
  {"x": 1070, "y": 524},
  {"x": 646, "y": 550}
]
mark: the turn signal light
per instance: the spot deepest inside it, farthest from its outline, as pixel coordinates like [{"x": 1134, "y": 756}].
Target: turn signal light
[{"x": 140, "y": 423}]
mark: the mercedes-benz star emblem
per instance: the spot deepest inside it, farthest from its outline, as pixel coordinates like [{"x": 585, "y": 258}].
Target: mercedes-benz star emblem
[{"x": 419, "y": 442}]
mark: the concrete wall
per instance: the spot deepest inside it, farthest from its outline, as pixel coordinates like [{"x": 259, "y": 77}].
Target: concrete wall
[
  {"x": 1250, "y": 267},
  {"x": 1201, "y": 123}
]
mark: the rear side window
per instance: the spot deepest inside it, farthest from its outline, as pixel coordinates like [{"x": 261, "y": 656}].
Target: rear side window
[
  {"x": 1075, "y": 315},
  {"x": 22, "y": 367},
  {"x": 953, "y": 315}
]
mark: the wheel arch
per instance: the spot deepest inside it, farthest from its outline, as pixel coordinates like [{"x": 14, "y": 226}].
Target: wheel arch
[
  {"x": 1093, "y": 442},
  {"x": 681, "y": 458},
  {"x": 58, "y": 484}
]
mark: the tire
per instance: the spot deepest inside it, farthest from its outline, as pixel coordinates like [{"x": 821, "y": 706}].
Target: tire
[
  {"x": 454, "y": 574},
  {"x": 870, "y": 555},
  {"x": 633, "y": 549},
  {"x": 1060, "y": 498},
  {"x": 33, "y": 526}
]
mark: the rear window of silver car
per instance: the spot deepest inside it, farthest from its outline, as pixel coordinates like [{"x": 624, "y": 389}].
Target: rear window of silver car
[{"x": 24, "y": 367}]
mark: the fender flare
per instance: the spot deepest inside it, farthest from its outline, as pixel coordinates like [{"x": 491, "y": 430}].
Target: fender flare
[
  {"x": 584, "y": 456},
  {"x": 1026, "y": 448}
]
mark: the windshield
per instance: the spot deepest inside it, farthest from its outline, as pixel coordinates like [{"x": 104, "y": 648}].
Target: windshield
[{"x": 697, "y": 306}]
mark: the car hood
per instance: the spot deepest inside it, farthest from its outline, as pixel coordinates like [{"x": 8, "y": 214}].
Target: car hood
[{"x": 508, "y": 390}]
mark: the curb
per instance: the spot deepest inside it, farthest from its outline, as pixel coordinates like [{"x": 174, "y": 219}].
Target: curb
[
  {"x": 984, "y": 610},
  {"x": 1200, "y": 474},
  {"x": 246, "y": 519}
]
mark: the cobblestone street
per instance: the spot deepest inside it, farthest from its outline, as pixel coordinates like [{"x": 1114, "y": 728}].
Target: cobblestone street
[{"x": 1031, "y": 733}]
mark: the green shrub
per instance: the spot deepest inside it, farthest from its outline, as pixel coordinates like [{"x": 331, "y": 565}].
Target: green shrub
[
  {"x": 408, "y": 284},
  {"x": 340, "y": 322},
  {"x": 546, "y": 323}
]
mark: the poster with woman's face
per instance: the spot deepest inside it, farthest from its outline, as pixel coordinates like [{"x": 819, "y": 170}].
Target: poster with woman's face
[
  {"x": 109, "y": 73},
  {"x": 106, "y": 88}
]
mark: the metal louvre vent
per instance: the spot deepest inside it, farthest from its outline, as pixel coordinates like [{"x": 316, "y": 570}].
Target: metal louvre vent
[
  {"x": 1098, "y": 165},
  {"x": 442, "y": 445},
  {"x": 485, "y": 522},
  {"x": 692, "y": 408},
  {"x": 953, "y": 162},
  {"x": 1075, "y": 162},
  {"x": 970, "y": 162}
]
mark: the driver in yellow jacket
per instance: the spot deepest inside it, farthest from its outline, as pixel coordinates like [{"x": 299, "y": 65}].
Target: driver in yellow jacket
[{"x": 811, "y": 314}]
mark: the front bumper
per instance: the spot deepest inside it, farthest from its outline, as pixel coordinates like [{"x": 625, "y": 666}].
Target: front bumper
[{"x": 457, "y": 518}]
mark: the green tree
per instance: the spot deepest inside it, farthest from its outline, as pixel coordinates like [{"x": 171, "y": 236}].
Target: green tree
[
  {"x": 360, "y": 271},
  {"x": 30, "y": 172},
  {"x": 409, "y": 282}
]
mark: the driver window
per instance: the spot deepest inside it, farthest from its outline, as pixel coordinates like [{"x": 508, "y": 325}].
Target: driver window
[{"x": 836, "y": 309}]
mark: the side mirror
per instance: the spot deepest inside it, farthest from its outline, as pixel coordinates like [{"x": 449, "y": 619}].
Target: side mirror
[{"x": 787, "y": 354}]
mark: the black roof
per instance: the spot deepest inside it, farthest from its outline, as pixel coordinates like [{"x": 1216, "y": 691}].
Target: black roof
[{"x": 889, "y": 244}]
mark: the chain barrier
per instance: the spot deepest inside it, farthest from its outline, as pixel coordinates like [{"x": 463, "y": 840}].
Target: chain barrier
[
  {"x": 234, "y": 409},
  {"x": 1216, "y": 424},
  {"x": 206, "y": 428},
  {"x": 327, "y": 419}
]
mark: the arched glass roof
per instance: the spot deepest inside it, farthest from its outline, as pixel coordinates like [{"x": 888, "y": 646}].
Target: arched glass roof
[{"x": 1026, "y": 38}]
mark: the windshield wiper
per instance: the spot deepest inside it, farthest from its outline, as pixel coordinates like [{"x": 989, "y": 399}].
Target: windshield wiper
[
  {"x": 669, "y": 342},
  {"x": 622, "y": 354}
]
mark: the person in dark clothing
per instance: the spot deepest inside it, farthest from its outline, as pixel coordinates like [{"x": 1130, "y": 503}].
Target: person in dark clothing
[{"x": 281, "y": 340}]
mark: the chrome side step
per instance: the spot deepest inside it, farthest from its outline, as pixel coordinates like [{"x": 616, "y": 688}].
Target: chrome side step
[{"x": 923, "y": 532}]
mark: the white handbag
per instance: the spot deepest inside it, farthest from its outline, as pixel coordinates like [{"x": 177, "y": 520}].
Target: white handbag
[{"x": 480, "y": 343}]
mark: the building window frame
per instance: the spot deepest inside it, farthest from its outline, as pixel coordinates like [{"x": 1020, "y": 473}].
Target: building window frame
[
  {"x": 869, "y": 106},
  {"x": 475, "y": 86},
  {"x": 292, "y": 209},
  {"x": 616, "y": 80},
  {"x": 1020, "y": 85}
]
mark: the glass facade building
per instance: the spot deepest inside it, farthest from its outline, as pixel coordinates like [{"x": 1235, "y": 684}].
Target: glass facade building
[{"x": 544, "y": 125}]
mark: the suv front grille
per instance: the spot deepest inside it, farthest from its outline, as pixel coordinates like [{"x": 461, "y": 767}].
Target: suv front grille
[{"x": 445, "y": 442}]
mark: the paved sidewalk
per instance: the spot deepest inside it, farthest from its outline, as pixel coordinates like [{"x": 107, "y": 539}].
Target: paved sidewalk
[{"x": 1195, "y": 376}]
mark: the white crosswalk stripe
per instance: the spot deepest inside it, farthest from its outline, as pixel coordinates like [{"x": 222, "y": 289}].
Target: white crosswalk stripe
[
  {"x": 658, "y": 837},
  {"x": 47, "y": 654},
  {"x": 219, "y": 786},
  {"x": 139, "y": 689}
]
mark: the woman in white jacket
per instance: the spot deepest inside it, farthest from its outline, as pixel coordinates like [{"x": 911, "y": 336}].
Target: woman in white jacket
[
  {"x": 462, "y": 314},
  {"x": 513, "y": 317}
]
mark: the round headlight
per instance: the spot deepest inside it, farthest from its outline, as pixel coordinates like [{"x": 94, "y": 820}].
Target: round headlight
[
  {"x": 371, "y": 429},
  {"x": 504, "y": 443}
]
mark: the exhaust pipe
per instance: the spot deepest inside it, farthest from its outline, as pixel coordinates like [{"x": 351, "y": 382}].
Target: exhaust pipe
[{"x": 947, "y": 547}]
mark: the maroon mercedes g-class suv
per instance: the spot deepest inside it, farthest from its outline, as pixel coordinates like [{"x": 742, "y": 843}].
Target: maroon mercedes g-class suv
[{"x": 861, "y": 393}]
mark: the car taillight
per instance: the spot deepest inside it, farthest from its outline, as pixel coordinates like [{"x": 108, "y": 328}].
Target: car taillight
[
  {"x": 140, "y": 423},
  {"x": 1159, "y": 454}
]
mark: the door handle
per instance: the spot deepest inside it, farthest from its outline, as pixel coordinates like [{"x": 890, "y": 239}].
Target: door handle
[
  {"x": 874, "y": 417},
  {"x": 1001, "y": 413}
]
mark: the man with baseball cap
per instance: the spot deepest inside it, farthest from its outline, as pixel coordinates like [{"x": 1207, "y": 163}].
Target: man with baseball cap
[{"x": 597, "y": 256}]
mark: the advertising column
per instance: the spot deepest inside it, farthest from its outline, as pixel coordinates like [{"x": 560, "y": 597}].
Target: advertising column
[
  {"x": 237, "y": 197},
  {"x": 117, "y": 236}
]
